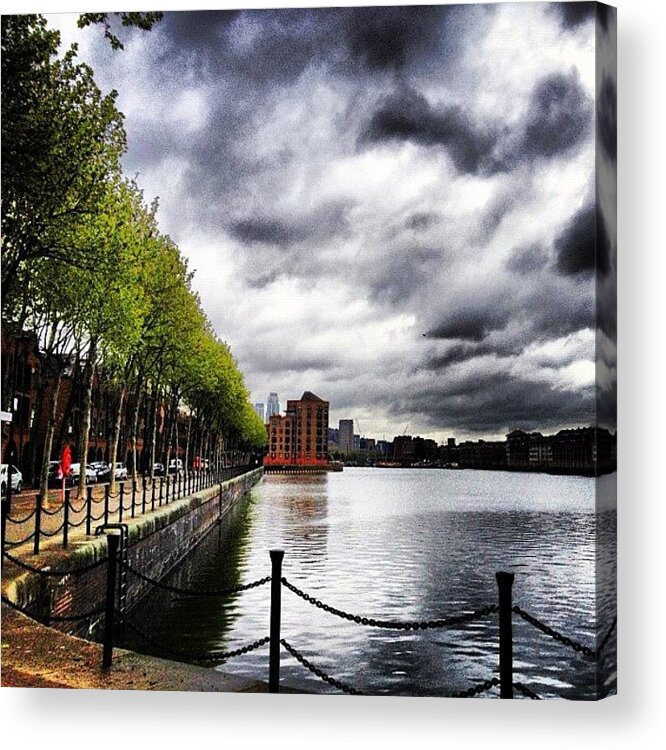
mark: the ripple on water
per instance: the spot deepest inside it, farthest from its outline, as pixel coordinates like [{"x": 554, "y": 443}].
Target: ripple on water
[{"x": 409, "y": 545}]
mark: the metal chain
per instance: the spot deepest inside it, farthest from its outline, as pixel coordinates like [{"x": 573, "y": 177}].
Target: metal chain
[
  {"x": 482, "y": 687},
  {"x": 526, "y": 691},
  {"x": 579, "y": 647},
  {"x": 194, "y": 592},
  {"x": 391, "y": 624},
  {"x": 19, "y": 521},
  {"x": 53, "y": 533},
  {"x": 20, "y": 542},
  {"x": 53, "y": 512},
  {"x": 54, "y": 573},
  {"x": 320, "y": 672},
  {"x": 46, "y": 619},
  {"x": 194, "y": 656}
]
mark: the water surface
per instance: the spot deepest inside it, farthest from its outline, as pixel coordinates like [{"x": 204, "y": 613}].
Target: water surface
[{"x": 410, "y": 545}]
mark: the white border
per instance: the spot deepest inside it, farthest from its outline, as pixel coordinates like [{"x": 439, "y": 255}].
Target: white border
[{"x": 178, "y": 720}]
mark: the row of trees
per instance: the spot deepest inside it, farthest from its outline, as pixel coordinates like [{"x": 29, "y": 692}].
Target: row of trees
[{"x": 86, "y": 268}]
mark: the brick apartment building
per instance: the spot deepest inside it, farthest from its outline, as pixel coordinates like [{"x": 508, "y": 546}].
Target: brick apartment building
[{"x": 300, "y": 437}]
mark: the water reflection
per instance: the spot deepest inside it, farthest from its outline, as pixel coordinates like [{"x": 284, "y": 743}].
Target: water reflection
[{"x": 409, "y": 545}]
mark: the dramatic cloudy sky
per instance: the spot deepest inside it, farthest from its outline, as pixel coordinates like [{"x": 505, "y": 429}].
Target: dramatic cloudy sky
[{"x": 391, "y": 207}]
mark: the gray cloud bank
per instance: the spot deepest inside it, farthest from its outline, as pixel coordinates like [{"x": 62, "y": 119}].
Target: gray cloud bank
[{"x": 392, "y": 207}]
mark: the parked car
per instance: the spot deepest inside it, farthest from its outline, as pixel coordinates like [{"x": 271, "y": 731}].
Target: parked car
[
  {"x": 54, "y": 475},
  {"x": 176, "y": 466},
  {"x": 102, "y": 470},
  {"x": 120, "y": 471},
  {"x": 75, "y": 473},
  {"x": 158, "y": 470},
  {"x": 17, "y": 479}
]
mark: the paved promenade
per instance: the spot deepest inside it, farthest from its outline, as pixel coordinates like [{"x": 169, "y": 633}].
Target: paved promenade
[{"x": 34, "y": 655}]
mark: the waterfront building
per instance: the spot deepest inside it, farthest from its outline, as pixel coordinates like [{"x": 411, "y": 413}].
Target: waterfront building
[
  {"x": 403, "y": 448},
  {"x": 272, "y": 406},
  {"x": 300, "y": 437},
  {"x": 261, "y": 412},
  {"x": 333, "y": 438},
  {"x": 346, "y": 435}
]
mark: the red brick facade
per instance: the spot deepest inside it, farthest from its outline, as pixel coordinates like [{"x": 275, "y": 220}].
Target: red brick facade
[{"x": 300, "y": 438}]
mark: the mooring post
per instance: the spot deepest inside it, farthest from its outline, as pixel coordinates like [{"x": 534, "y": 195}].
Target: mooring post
[
  {"x": 5, "y": 513},
  {"x": 65, "y": 520},
  {"x": 276, "y": 604},
  {"x": 110, "y": 610},
  {"x": 106, "y": 504},
  {"x": 89, "y": 491},
  {"x": 504, "y": 586},
  {"x": 38, "y": 523}
]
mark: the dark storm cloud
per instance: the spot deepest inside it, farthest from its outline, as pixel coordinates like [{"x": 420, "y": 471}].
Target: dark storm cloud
[
  {"x": 527, "y": 259},
  {"x": 322, "y": 224},
  {"x": 572, "y": 15},
  {"x": 494, "y": 402},
  {"x": 576, "y": 245},
  {"x": 607, "y": 116},
  {"x": 465, "y": 351},
  {"x": 559, "y": 117},
  {"x": 199, "y": 30},
  {"x": 266, "y": 231},
  {"x": 472, "y": 322},
  {"x": 422, "y": 220},
  {"x": 390, "y": 38},
  {"x": 407, "y": 115}
]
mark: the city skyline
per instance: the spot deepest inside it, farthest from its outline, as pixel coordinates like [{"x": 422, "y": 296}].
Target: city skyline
[{"x": 388, "y": 215}]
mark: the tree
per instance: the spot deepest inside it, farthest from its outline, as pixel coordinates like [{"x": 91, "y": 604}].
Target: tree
[{"x": 61, "y": 139}]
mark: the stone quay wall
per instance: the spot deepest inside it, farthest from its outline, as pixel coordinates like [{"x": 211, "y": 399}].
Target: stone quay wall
[{"x": 157, "y": 542}]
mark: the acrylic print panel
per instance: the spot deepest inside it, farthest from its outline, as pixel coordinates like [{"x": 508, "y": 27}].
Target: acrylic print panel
[{"x": 337, "y": 411}]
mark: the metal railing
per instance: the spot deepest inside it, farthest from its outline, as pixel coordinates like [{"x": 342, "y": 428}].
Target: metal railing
[
  {"x": 132, "y": 499},
  {"x": 114, "y": 612}
]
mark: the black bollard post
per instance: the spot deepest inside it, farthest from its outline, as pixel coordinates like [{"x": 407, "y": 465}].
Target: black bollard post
[
  {"x": 106, "y": 504},
  {"x": 65, "y": 521},
  {"x": 143, "y": 498},
  {"x": 89, "y": 491},
  {"x": 38, "y": 523},
  {"x": 161, "y": 485},
  {"x": 10, "y": 489},
  {"x": 133, "y": 497},
  {"x": 110, "y": 609},
  {"x": 121, "y": 497},
  {"x": 167, "y": 489},
  {"x": 5, "y": 513},
  {"x": 276, "y": 604},
  {"x": 504, "y": 586}
]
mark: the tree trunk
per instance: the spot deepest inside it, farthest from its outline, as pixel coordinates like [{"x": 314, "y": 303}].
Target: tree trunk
[
  {"x": 114, "y": 440},
  {"x": 48, "y": 442},
  {"x": 85, "y": 422},
  {"x": 135, "y": 427}
]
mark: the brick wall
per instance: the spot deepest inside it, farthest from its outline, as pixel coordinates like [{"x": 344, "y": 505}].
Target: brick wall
[{"x": 157, "y": 543}]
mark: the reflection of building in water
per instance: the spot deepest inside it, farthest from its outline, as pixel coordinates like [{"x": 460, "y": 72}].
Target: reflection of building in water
[{"x": 300, "y": 437}]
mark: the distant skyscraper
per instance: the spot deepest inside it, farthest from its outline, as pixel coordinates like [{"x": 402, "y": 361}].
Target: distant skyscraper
[
  {"x": 273, "y": 406},
  {"x": 346, "y": 435},
  {"x": 261, "y": 411}
]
